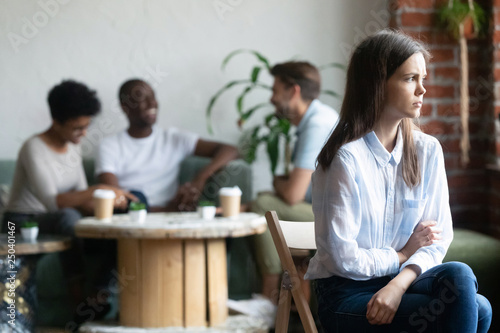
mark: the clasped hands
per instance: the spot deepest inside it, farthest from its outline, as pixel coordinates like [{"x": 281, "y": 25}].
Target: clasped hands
[
  {"x": 383, "y": 305},
  {"x": 186, "y": 198}
]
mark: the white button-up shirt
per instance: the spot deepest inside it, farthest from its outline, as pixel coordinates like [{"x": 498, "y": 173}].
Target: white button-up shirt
[{"x": 365, "y": 212}]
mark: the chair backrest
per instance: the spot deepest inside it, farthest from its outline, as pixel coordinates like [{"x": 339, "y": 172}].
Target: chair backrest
[{"x": 300, "y": 235}]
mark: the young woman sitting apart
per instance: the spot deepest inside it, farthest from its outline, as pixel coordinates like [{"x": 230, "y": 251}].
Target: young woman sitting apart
[{"x": 381, "y": 206}]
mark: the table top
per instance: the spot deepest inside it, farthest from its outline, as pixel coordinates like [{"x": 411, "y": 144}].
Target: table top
[
  {"x": 43, "y": 244},
  {"x": 172, "y": 225}
]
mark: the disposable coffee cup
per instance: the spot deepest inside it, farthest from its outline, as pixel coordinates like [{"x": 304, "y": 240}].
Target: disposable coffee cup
[
  {"x": 230, "y": 200},
  {"x": 103, "y": 204}
]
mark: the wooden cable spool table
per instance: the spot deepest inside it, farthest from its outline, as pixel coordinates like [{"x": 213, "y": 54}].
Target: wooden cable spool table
[
  {"x": 173, "y": 267},
  {"x": 43, "y": 244}
]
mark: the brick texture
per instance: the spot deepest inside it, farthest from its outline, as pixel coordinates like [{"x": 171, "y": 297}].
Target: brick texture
[
  {"x": 469, "y": 186},
  {"x": 443, "y": 55},
  {"x": 444, "y": 110},
  {"x": 441, "y": 91},
  {"x": 424, "y": 4},
  {"x": 416, "y": 19},
  {"x": 447, "y": 73}
]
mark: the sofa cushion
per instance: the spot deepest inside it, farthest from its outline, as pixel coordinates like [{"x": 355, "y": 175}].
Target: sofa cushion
[
  {"x": 7, "y": 169},
  {"x": 4, "y": 197},
  {"x": 236, "y": 173}
]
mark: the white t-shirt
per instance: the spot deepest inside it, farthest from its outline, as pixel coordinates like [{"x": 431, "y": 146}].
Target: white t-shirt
[{"x": 150, "y": 165}]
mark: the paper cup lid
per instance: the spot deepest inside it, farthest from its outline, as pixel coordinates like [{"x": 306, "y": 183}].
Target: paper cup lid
[
  {"x": 230, "y": 191},
  {"x": 104, "y": 194}
]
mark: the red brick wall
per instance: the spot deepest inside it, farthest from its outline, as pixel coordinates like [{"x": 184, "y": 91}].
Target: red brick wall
[{"x": 469, "y": 189}]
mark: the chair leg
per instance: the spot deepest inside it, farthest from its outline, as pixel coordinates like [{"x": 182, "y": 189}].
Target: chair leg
[
  {"x": 283, "y": 316},
  {"x": 304, "y": 311},
  {"x": 301, "y": 264}
]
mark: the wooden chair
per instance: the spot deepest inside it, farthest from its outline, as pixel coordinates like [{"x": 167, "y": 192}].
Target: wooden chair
[{"x": 286, "y": 236}]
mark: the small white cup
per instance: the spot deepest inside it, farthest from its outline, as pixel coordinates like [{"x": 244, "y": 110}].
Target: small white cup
[
  {"x": 29, "y": 234},
  {"x": 138, "y": 216},
  {"x": 207, "y": 212}
]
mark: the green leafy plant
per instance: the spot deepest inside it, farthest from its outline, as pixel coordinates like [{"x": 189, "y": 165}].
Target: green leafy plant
[
  {"x": 469, "y": 14},
  {"x": 29, "y": 224},
  {"x": 274, "y": 131},
  {"x": 206, "y": 203},
  {"x": 463, "y": 20},
  {"x": 136, "y": 206}
]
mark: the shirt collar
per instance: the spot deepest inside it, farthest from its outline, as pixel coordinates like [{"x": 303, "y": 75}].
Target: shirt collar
[
  {"x": 150, "y": 137},
  {"x": 382, "y": 156},
  {"x": 307, "y": 115}
]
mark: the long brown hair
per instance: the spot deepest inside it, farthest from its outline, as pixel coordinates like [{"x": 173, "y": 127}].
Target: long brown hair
[{"x": 372, "y": 63}]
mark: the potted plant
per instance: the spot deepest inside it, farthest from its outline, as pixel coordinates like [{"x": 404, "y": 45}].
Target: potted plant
[
  {"x": 137, "y": 212},
  {"x": 274, "y": 132},
  {"x": 206, "y": 209},
  {"x": 29, "y": 230},
  {"x": 464, "y": 21}
]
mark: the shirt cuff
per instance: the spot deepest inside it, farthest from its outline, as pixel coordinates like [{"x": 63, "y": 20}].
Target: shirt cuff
[
  {"x": 390, "y": 268},
  {"x": 415, "y": 260}
]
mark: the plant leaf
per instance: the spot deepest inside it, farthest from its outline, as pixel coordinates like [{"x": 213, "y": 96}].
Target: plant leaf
[
  {"x": 273, "y": 150},
  {"x": 259, "y": 57},
  {"x": 284, "y": 126},
  {"x": 249, "y": 143},
  {"x": 255, "y": 74},
  {"x": 239, "y": 100},
  {"x": 269, "y": 118},
  {"x": 254, "y": 144},
  {"x": 331, "y": 93},
  {"x": 250, "y": 111},
  {"x": 450, "y": 17},
  {"x": 230, "y": 55},
  {"x": 262, "y": 59},
  {"x": 332, "y": 65},
  {"x": 262, "y": 85},
  {"x": 214, "y": 99}
]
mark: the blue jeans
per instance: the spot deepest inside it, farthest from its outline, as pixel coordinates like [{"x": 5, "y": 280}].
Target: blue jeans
[{"x": 443, "y": 299}]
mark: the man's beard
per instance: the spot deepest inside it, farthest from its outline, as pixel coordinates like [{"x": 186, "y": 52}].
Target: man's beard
[{"x": 283, "y": 112}]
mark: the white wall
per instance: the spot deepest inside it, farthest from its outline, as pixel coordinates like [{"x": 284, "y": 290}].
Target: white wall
[{"x": 177, "y": 46}]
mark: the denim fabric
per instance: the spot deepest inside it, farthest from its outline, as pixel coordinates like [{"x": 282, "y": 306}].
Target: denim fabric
[{"x": 443, "y": 299}]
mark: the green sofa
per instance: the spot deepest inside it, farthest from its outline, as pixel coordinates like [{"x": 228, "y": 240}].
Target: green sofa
[{"x": 54, "y": 308}]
